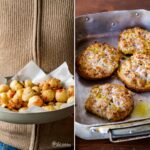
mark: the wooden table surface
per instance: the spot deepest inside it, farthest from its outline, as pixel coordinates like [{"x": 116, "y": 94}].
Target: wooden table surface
[{"x": 93, "y": 6}]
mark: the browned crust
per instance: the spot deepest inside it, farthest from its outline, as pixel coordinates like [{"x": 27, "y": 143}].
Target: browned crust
[
  {"x": 119, "y": 39},
  {"x": 131, "y": 86},
  {"x": 90, "y": 74},
  {"x": 92, "y": 77},
  {"x": 119, "y": 115}
]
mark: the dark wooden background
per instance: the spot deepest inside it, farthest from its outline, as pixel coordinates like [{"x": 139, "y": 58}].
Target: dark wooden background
[{"x": 93, "y": 6}]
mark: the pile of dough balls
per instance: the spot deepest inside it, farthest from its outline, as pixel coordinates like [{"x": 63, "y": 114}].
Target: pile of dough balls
[{"x": 18, "y": 96}]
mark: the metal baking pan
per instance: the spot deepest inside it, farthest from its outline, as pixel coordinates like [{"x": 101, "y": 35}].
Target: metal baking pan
[{"x": 105, "y": 27}]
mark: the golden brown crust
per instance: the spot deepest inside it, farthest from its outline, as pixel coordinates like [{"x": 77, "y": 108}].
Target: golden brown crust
[
  {"x": 97, "y": 61},
  {"x": 26, "y": 94},
  {"x": 134, "y": 40},
  {"x": 110, "y": 101},
  {"x": 135, "y": 72}
]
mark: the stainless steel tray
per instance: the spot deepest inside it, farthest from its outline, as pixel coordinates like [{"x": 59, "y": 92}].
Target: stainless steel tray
[{"x": 105, "y": 27}]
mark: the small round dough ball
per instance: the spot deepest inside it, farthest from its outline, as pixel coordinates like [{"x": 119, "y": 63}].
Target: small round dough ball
[
  {"x": 48, "y": 95},
  {"x": 17, "y": 98},
  {"x": 15, "y": 85},
  {"x": 23, "y": 109},
  {"x": 35, "y": 101},
  {"x": 49, "y": 108},
  {"x": 4, "y": 88},
  {"x": 14, "y": 104},
  {"x": 58, "y": 105},
  {"x": 27, "y": 93},
  {"x": 10, "y": 94},
  {"x": 61, "y": 95},
  {"x": 54, "y": 83},
  {"x": 71, "y": 100},
  {"x": 4, "y": 99},
  {"x": 11, "y": 105},
  {"x": 70, "y": 91},
  {"x": 28, "y": 83},
  {"x": 36, "y": 89},
  {"x": 44, "y": 86},
  {"x": 19, "y": 93}
]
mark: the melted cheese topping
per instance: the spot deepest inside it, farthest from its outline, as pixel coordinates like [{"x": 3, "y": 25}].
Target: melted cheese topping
[
  {"x": 112, "y": 95},
  {"x": 134, "y": 40},
  {"x": 101, "y": 58},
  {"x": 138, "y": 69}
]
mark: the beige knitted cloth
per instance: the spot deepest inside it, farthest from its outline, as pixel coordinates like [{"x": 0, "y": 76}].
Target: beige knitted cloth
[{"x": 41, "y": 30}]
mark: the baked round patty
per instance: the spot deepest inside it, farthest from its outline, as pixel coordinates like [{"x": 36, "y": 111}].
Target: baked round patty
[
  {"x": 134, "y": 40},
  {"x": 111, "y": 101},
  {"x": 97, "y": 61},
  {"x": 135, "y": 72}
]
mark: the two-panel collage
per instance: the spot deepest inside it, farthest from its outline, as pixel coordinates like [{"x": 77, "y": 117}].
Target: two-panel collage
[{"x": 74, "y": 75}]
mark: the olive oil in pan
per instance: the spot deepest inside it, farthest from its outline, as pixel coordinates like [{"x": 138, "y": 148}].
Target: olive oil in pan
[{"x": 141, "y": 109}]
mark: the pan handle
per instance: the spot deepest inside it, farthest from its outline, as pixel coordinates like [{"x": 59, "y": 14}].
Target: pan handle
[{"x": 129, "y": 133}]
